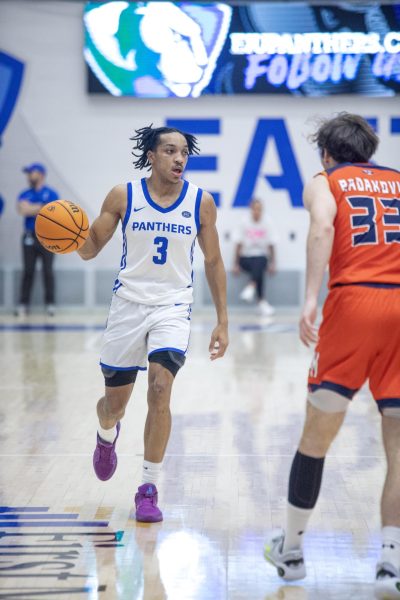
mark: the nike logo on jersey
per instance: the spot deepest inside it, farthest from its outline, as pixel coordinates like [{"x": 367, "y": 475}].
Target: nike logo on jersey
[{"x": 137, "y": 209}]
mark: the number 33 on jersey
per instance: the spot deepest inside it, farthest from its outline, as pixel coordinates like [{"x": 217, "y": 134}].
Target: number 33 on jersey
[
  {"x": 158, "y": 245},
  {"x": 366, "y": 246}
]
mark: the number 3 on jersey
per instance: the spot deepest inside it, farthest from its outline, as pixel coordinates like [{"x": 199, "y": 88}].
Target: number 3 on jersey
[
  {"x": 162, "y": 244},
  {"x": 367, "y": 220}
]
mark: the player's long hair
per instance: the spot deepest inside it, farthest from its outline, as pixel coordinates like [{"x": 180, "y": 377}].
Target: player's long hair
[
  {"x": 346, "y": 138},
  {"x": 148, "y": 138}
]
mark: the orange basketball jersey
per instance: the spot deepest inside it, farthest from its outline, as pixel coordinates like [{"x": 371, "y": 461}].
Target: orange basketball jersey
[{"x": 366, "y": 247}]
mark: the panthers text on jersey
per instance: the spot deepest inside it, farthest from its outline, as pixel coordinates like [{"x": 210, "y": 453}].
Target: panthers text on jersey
[{"x": 158, "y": 245}]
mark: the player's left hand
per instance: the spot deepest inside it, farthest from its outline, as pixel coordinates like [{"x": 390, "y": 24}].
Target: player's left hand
[{"x": 219, "y": 342}]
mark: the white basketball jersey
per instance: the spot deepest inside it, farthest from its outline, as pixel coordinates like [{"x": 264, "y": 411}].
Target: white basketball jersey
[{"x": 158, "y": 245}]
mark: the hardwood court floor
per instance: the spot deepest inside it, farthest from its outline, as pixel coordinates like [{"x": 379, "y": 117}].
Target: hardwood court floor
[{"x": 64, "y": 534}]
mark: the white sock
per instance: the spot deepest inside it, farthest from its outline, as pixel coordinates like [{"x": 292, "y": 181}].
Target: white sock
[
  {"x": 151, "y": 472},
  {"x": 107, "y": 435},
  {"x": 296, "y": 523},
  {"x": 391, "y": 546}
]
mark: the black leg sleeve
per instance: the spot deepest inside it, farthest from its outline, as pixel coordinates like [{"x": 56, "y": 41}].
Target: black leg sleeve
[{"x": 305, "y": 480}]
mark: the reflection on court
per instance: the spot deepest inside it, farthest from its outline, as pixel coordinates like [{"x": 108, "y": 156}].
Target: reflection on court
[{"x": 64, "y": 534}]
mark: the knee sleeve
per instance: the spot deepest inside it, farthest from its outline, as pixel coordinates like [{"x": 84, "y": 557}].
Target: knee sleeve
[
  {"x": 328, "y": 401},
  {"x": 305, "y": 480},
  {"x": 115, "y": 378},
  {"x": 391, "y": 411},
  {"x": 169, "y": 359}
]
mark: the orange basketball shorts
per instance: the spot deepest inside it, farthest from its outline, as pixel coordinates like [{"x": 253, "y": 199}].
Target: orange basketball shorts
[{"x": 359, "y": 339}]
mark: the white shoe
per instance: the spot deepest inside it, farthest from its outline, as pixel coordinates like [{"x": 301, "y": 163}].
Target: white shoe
[
  {"x": 21, "y": 311},
  {"x": 50, "y": 310},
  {"x": 387, "y": 582},
  {"x": 266, "y": 309},
  {"x": 248, "y": 293},
  {"x": 290, "y": 565}
]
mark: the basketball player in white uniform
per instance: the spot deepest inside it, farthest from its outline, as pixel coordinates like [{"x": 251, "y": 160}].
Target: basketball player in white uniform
[{"x": 149, "y": 320}]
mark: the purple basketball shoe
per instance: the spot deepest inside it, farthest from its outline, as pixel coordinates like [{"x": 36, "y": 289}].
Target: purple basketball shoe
[
  {"x": 147, "y": 510},
  {"x": 105, "y": 458}
]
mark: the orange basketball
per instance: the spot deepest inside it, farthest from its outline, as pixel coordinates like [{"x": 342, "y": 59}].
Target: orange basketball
[{"x": 62, "y": 226}]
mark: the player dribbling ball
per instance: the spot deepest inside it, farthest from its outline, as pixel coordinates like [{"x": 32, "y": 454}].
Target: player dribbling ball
[{"x": 62, "y": 226}]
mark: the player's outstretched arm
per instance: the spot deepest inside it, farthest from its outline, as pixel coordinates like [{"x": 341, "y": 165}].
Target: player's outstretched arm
[
  {"x": 319, "y": 201},
  {"x": 215, "y": 273},
  {"x": 103, "y": 228}
]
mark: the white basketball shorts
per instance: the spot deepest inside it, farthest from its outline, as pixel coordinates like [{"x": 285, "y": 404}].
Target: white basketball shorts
[{"x": 135, "y": 331}]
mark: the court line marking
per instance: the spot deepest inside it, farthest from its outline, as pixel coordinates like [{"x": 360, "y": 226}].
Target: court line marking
[
  {"x": 77, "y": 327},
  {"x": 44, "y": 523},
  {"x": 189, "y": 455}
]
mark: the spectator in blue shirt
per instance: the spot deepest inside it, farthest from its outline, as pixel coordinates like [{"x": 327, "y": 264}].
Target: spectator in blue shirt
[{"x": 30, "y": 201}]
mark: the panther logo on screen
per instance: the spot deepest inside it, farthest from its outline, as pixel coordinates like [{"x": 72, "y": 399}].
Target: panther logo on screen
[{"x": 154, "y": 49}]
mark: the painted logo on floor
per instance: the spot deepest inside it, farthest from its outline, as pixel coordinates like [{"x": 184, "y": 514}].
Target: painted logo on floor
[{"x": 49, "y": 549}]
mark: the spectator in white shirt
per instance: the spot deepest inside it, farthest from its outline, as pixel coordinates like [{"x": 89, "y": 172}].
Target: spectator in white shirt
[{"x": 255, "y": 254}]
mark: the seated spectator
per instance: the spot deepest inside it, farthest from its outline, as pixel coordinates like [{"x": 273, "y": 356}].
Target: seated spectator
[{"x": 255, "y": 254}]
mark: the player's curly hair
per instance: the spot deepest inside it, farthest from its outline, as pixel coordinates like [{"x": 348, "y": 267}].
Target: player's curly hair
[
  {"x": 148, "y": 138},
  {"x": 347, "y": 138}
]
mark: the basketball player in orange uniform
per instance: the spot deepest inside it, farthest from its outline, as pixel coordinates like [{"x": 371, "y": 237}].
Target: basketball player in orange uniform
[{"x": 354, "y": 210}]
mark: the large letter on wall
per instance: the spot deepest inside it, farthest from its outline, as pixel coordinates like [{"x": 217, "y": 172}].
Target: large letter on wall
[
  {"x": 290, "y": 178},
  {"x": 395, "y": 125},
  {"x": 11, "y": 71}
]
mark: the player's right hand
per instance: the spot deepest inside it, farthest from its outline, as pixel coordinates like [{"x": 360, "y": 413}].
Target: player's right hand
[
  {"x": 308, "y": 331},
  {"x": 219, "y": 342}
]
